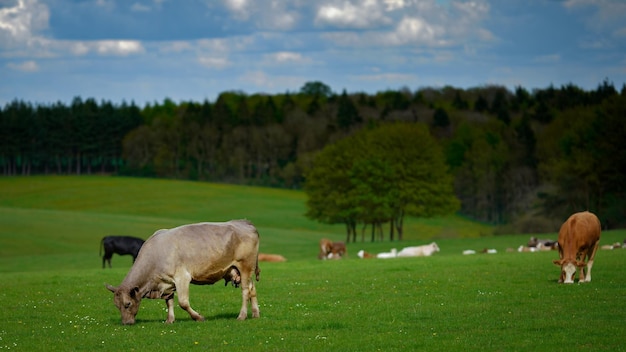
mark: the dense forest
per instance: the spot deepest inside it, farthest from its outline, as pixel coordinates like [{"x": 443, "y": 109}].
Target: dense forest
[{"x": 520, "y": 159}]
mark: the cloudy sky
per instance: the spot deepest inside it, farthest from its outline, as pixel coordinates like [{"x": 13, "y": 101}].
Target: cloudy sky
[{"x": 148, "y": 50}]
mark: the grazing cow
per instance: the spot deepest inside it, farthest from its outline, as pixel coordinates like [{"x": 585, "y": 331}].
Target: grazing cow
[
  {"x": 326, "y": 246},
  {"x": 331, "y": 250},
  {"x": 201, "y": 254},
  {"x": 419, "y": 251},
  {"x": 121, "y": 245},
  {"x": 387, "y": 255},
  {"x": 579, "y": 237},
  {"x": 264, "y": 257}
]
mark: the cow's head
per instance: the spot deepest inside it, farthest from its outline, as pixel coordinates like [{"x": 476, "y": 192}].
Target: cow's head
[
  {"x": 127, "y": 301},
  {"x": 568, "y": 269}
]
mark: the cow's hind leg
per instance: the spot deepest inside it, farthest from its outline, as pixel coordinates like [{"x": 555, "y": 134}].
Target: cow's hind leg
[
  {"x": 248, "y": 293},
  {"x": 106, "y": 259},
  {"x": 182, "y": 289}
]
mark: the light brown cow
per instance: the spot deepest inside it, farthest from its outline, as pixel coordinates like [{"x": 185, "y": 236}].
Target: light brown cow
[
  {"x": 201, "y": 254},
  {"x": 579, "y": 237},
  {"x": 264, "y": 257},
  {"x": 326, "y": 246}
]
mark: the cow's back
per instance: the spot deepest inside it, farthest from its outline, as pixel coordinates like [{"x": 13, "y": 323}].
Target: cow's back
[
  {"x": 196, "y": 244},
  {"x": 580, "y": 231}
]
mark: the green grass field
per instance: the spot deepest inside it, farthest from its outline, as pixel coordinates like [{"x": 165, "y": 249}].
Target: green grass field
[{"x": 54, "y": 296}]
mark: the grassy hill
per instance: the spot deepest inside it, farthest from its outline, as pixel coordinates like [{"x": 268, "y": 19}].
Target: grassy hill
[{"x": 48, "y": 216}]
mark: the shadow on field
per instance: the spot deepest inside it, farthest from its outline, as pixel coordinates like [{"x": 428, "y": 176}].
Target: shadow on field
[{"x": 221, "y": 316}]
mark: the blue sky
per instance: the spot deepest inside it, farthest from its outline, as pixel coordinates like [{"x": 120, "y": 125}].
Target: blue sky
[{"x": 148, "y": 50}]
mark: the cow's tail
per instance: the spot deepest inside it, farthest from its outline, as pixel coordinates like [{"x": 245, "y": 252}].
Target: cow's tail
[{"x": 101, "y": 246}]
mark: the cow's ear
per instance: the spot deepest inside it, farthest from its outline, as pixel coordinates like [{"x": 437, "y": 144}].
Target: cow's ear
[
  {"x": 558, "y": 262},
  {"x": 580, "y": 264},
  {"x": 133, "y": 292},
  {"x": 110, "y": 288}
]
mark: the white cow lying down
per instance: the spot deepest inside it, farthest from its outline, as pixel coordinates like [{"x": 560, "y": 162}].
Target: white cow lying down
[
  {"x": 386, "y": 255},
  {"x": 419, "y": 251}
]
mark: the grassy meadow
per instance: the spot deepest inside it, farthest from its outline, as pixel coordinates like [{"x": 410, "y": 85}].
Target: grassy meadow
[{"x": 54, "y": 296}]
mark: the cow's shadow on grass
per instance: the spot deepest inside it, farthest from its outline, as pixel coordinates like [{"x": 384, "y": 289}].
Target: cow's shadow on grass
[
  {"x": 214, "y": 317},
  {"x": 222, "y": 316}
]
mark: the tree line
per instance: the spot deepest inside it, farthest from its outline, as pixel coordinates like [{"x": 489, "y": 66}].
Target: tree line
[{"x": 516, "y": 157}]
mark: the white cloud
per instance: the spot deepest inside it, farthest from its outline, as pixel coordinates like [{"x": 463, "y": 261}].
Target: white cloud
[
  {"x": 20, "y": 23},
  {"x": 286, "y": 56},
  {"x": 118, "y": 47},
  {"x": 79, "y": 48},
  {"x": 392, "y": 5},
  {"x": 406, "y": 22},
  {"x": 26, "y": 66},
  {"x": 365, "y": 14},
  {"x": 214, "y": 62},
  {"x": 239, "y": 8},
  {"x": 178, "y": 46},
  {"x": 411, "y": 30},
  {"x": 20, "y": 35}
]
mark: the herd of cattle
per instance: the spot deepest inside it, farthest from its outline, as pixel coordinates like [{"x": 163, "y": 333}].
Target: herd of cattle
[{"x": 205, "y": 253}]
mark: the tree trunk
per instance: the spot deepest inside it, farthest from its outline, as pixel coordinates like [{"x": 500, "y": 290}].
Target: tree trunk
[{"x": 399, "y": 226}]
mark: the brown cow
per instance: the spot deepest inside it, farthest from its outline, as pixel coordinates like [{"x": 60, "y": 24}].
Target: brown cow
[
  {"x": 201, "y": 254},
  {"x": 579, "y": 237},
  {"x": 337, "y": 251},
  {"x": 331, "y": 250}
]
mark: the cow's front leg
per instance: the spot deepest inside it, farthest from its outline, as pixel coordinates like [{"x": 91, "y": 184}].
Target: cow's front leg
[
  {"x": 590, "y": 261},
  {"x": 183, "y": 299},
  {"x": 169, "y": 302}
]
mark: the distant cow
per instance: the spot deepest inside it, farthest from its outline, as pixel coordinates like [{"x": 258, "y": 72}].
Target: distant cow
[
  {"x": 326, "y": 246},
  {"x": 364, "y": 255},
  {"x": 386, "y": 255},
  {"x": 579, "y": 237},
  {"x": 543, "y": 244},
  {"x": 419, "y": 251},
  {"x": 121, "y": 245},
  {"x": 264, "y": 257},
  {"x": 331, "y": 250},
  {"x": 201, "y": 254}
]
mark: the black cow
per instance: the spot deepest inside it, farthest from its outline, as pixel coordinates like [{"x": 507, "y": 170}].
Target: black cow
[{"x": 121, "y": 245}]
